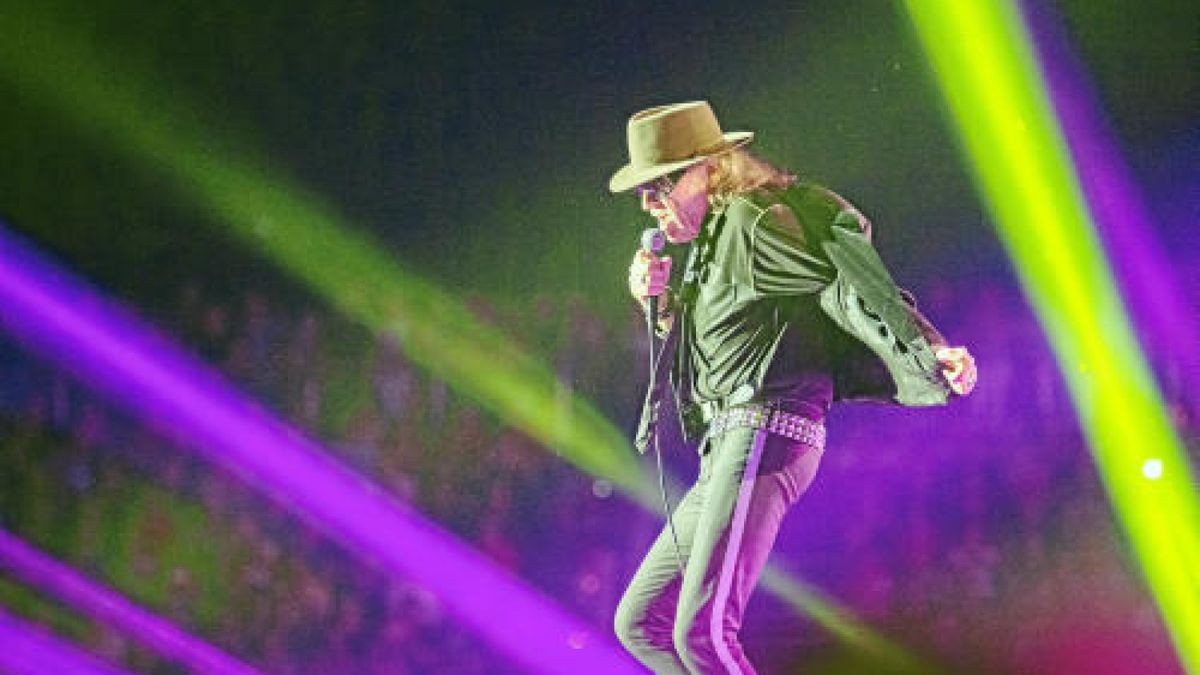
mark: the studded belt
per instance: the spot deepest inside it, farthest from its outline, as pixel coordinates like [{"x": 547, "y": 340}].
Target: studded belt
[{"x": 774, "y": 420}]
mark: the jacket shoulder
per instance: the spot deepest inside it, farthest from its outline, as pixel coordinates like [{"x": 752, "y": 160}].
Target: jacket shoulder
[
  {"x": 802, "y": 213},
  {"x": 821, "y": 203},
  {"x": 777, "y": 206},
  {"x": 759, "y": 218}
]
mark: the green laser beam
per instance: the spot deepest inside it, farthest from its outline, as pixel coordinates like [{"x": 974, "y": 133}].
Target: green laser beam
[
  {"x": 888, "y": 656},
  {"x": 1002, "y": 114},
  {"x": 304, "y": 235},
  {"x": 308, "y": 237}
]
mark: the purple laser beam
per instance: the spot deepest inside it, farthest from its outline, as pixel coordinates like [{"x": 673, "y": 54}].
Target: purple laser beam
[
  {"x": 103, "y": 604},
  {"x": 1143, "y": 269},
  {"x": 118, "y": 355},
  {"x": 30, "y": 649}
]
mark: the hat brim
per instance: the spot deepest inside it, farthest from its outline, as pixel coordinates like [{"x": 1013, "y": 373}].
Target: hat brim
[{"x": 629, "y": 176}]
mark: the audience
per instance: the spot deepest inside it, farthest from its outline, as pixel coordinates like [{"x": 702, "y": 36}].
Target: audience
[{"x": 955, "y": 526}]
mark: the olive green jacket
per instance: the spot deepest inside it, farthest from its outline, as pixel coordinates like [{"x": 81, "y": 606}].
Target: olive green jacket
[{"x": 803, "y": 242}]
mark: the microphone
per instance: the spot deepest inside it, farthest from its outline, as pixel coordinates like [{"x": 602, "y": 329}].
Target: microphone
[{"x": 653, "y": 241}]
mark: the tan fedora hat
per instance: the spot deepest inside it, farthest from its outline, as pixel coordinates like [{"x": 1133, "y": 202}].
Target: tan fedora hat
[{"x": 672, "y": 137}]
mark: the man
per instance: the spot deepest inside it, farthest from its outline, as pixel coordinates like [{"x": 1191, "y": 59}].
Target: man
[{"x": 784, "y": 308}]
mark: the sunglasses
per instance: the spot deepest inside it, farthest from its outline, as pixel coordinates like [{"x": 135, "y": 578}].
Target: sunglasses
[{"x": 661, "y": 185}]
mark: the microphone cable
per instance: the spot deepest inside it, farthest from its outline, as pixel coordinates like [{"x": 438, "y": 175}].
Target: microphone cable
[{"x": 652, "y": 242}]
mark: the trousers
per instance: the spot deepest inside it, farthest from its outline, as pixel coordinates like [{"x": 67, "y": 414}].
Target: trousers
[{"x": 726, "y": 524}]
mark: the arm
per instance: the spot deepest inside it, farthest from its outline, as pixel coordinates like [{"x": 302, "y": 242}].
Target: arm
[
  {"x": 958, "y": 365},
  {"x": 856, "y": 259},
  {"x": 816, "y": 240},
  {"x": 931, "y": 333}
]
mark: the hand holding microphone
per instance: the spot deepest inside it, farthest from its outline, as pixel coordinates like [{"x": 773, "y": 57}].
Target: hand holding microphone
[{"x": 649, "y": 273}]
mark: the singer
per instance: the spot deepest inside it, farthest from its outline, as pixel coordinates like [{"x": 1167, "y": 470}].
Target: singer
[{"x": 783, "y": 308}]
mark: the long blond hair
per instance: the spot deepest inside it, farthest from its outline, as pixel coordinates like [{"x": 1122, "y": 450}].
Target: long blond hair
[{"x": 739, "y": 172}]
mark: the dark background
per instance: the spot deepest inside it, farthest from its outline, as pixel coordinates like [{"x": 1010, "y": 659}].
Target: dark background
[{"x": 476, "y": 139}]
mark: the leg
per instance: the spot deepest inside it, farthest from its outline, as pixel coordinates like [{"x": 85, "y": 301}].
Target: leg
[
  {"x": 755, "y": 478},
  {"x": 645, "y": 616}
]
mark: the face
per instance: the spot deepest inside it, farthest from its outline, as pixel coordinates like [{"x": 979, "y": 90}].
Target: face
[{"x": 679, "y": 207}]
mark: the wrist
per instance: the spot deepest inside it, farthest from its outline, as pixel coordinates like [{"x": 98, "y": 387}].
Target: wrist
[
  {"x": 665, "y": 309},
  {"x": 665, "y": 321}
]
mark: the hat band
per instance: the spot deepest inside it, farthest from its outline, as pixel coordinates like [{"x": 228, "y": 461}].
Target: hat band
[{"x": 706, "y": 150}]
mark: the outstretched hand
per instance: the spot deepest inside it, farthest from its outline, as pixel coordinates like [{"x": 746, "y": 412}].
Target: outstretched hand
[{"x": 958, "y": 367}]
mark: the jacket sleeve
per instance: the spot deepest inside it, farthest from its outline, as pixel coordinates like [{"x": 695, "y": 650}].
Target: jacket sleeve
[
  {"x": 851, "y": 219},
  {"x": 866, "y": 303},
  {"x": 931, "y": 333}
]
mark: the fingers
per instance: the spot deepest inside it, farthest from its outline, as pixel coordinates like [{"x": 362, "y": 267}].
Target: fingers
[
  {"x": 970, "y": 375},
  {"x": 958, "y": 367},
  {"x": 648, "y": 275},
  {"x": 964, "y": 383}
]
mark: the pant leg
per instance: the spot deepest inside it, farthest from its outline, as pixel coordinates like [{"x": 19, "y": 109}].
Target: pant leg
[
  {"x": 645, "y": 616},
  {"x": 755, "y": 477}
]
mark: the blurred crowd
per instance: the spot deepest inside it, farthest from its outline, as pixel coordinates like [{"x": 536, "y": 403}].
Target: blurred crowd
[{"x": 963, "y": 529}]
